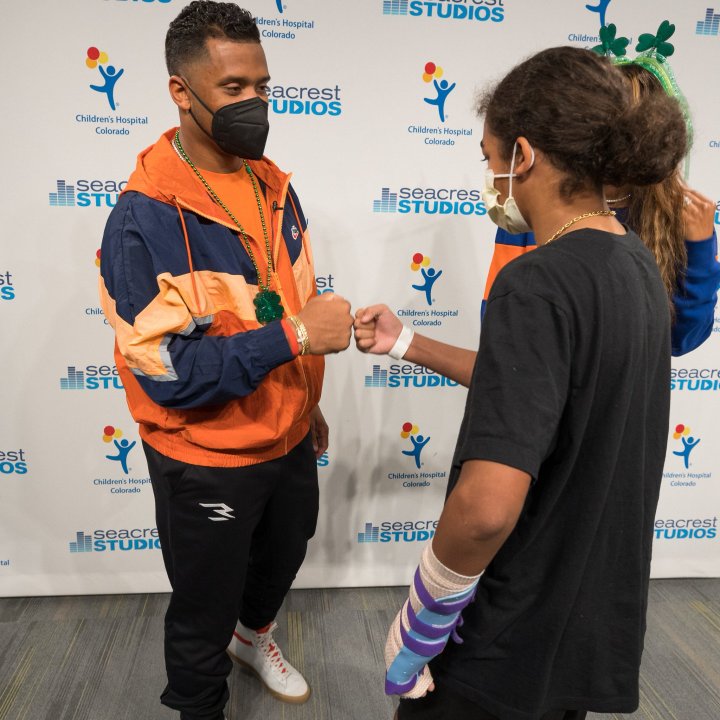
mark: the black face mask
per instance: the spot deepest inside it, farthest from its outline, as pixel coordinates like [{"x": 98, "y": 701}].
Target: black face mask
[{"x": 240, "y": 128}]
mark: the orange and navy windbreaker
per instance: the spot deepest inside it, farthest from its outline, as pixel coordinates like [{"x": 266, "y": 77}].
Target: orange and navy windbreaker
[{"x": 206, "y": 382}]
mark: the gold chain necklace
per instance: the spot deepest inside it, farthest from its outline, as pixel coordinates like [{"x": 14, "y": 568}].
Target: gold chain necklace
[
  {"x": 577, "y": 219},
  {"x": 268, "y": 306}
]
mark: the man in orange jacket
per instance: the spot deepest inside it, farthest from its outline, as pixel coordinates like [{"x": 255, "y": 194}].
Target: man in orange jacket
[{"x": 207, "y": 279}]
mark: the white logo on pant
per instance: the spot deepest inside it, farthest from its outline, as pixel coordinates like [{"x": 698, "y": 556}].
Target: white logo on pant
[{"x": 221, "y": 509}]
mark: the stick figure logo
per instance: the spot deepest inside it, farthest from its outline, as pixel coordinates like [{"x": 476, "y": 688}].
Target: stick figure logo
[
  {"x": 123, "y": 447},
  {"x": 110, "y": 74},
  {"x": 430, "y": 275},
  {"x": 432, "y": 74},
  {"x": 410, "y": 431},
  {"x": 682, "y": 433}
]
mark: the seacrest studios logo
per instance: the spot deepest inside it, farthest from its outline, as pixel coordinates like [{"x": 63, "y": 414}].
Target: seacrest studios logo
[
  {"x": 430, "y": 201},
  {"x": 710, "y": 24},
  {"x": 285, "y": 27},
  {"x": 7, "y": 287},
  {"x": 13, "y": 462},
  {"x": 112, "y": 540},
  {"x": 324, "y": 460},
  {"x": 325, "y": 284},
  {"x": 687, "y": 528},
  {"x": 436, "y": 92},
  {"x": 695, "y": 379},
  {"x": 310, "y": 100},
  {"x": 458, "y": 10},
  {"x": 406, "y": 376},
  {"x": 398, "y": 531},
  {"x": 91, "y": 377},
  {"x": 84, "y": 193},
  {"x": 683, "y": 473},
  {"x": 104, "y": 115}
]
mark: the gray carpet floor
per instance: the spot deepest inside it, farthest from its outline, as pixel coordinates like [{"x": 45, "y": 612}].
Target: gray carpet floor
[{"x": 100, "y": 657}]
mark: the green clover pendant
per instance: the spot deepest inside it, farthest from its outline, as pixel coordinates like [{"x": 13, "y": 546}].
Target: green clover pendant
[{"x": 268, "y": 306}]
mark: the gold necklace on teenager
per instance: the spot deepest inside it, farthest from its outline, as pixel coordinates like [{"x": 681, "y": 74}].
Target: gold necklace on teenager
[
  {"x": 268, "y": 305},
  {"x": 577, "y": 219}
]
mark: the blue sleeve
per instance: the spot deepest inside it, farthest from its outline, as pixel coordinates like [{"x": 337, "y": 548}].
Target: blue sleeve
[
  {"x": 696, "y": 296},
  {"x": 503, "y": 237},
  {"x": 164, "y": 343}
]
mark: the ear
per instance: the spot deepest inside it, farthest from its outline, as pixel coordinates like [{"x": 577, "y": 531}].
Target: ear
[
  {"x": 525, "y": 156},
  {"x": 179, "y": 93}
]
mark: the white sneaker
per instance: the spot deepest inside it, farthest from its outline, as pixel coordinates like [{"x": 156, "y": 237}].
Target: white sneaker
[{"x": 260, "y": 653}]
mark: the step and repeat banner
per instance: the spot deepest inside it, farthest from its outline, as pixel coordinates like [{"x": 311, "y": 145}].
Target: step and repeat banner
[{"x": 372, "y": 110}]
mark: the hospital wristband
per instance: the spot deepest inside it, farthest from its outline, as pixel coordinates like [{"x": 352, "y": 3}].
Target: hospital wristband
[{"x": 402, "y": 344}]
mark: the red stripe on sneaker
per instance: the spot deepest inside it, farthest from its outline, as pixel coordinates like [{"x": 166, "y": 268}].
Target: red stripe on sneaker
[{"x": 242, "y": 639}]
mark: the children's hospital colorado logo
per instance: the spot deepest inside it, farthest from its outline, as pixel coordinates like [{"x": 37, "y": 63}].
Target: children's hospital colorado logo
[
  {"x": 286, "y": 27},
  {"x": 433, "y": 128},
  {"x": 412, "y": 473},
  {"x": 103, "y": 114},
  {"x": 589, "y": 35},
  {"x": 683, "y": 473},
  {"x": 120, "y": 480},
  {"x": 427, "y": 286},
  {"x": 478, "y": 11}
]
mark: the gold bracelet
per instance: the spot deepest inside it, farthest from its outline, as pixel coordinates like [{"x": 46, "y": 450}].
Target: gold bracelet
[{"x": 301, "y": 334}]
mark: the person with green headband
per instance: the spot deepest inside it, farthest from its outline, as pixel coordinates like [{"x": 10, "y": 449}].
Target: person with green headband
[{"x": 673, "y": 220}]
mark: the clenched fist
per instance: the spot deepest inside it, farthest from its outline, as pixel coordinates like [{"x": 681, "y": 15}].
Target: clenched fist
[
  {"x": 328, "y": 322},
  {"x": 376, "y": 329}
]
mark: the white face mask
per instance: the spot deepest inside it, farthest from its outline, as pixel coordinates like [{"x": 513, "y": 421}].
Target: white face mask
[{"x": 506, "y": 216}]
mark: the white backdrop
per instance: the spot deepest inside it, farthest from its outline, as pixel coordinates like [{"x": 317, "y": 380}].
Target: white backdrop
[{"x": 382, "y": 178}]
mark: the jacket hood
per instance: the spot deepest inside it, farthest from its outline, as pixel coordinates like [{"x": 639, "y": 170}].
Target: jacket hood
[{"x": 163, "y": 175}]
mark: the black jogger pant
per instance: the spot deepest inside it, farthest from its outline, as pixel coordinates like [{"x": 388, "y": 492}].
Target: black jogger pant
[{"x": 232, "y": 540}]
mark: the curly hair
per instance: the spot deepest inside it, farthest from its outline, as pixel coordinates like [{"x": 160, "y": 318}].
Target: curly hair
[
  {"x": 579, "y": 110},
  {"x": 655, "y": 212},
  {"x": 203, "y": 19}
]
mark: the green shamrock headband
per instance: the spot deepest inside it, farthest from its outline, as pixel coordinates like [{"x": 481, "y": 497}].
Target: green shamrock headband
[{"x": 653, "y": 53}]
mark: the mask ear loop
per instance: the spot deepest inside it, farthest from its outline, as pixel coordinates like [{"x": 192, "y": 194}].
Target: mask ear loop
[
  {"x": 512, "y": 166},
  {"x": 512, "y": 170}
]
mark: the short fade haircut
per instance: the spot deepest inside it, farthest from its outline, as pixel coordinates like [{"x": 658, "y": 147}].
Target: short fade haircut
[{"x": 203, "y": 19}]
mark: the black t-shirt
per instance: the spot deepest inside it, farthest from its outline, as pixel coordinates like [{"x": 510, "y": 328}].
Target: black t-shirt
[{"x": 571, "y": 385}]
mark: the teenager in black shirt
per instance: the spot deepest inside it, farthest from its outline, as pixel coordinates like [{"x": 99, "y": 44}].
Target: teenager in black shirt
[{"x": 557, "y": 469}]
